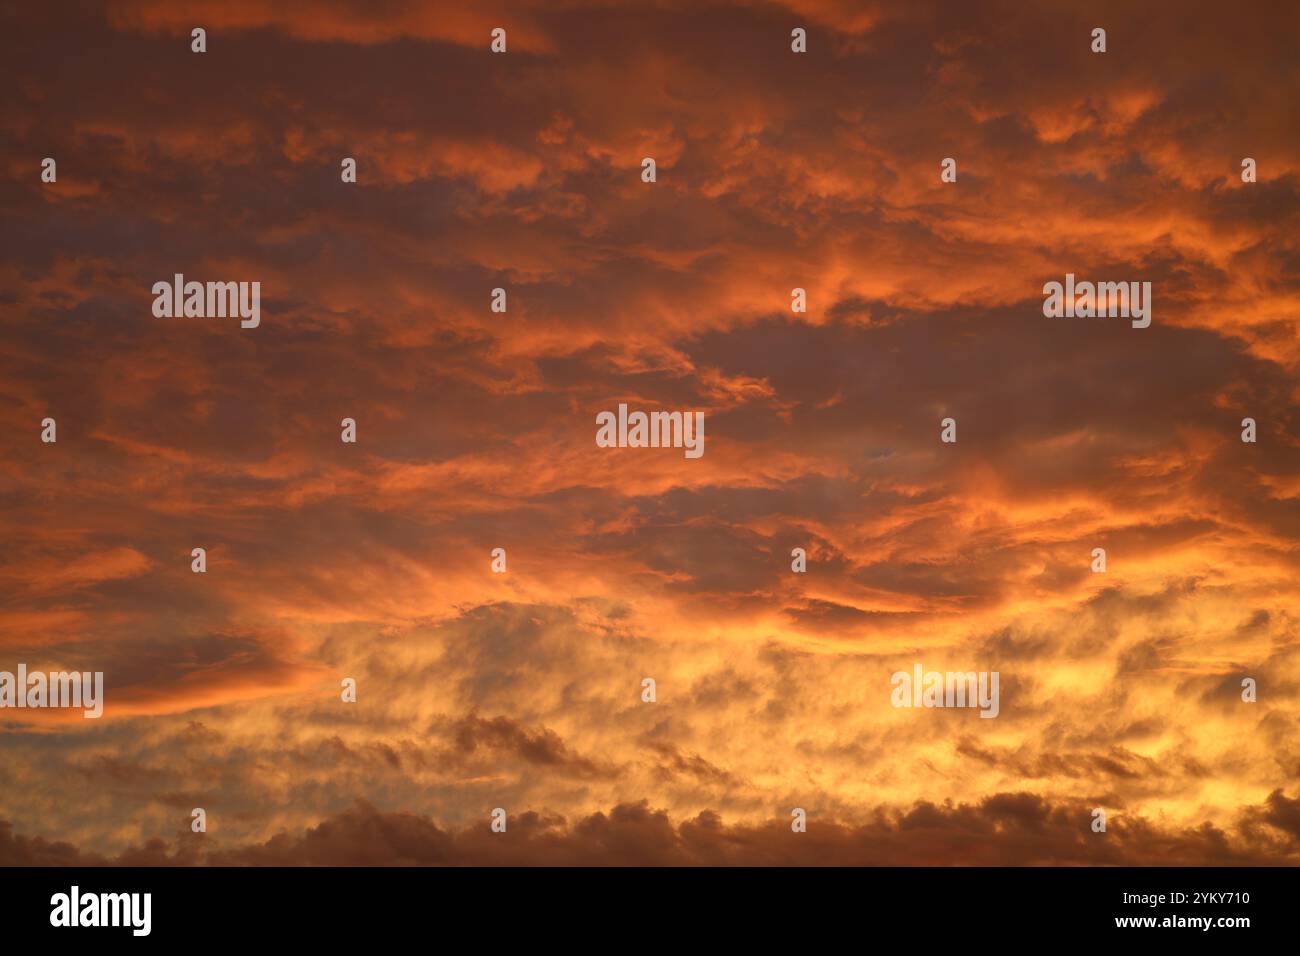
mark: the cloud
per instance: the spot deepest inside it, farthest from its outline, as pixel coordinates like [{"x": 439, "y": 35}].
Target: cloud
[
  {"x": 1003, "y": 828},
  {"x": 371, "y": 561}
]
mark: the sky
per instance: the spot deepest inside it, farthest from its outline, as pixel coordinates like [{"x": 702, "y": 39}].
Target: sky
[{"x": 475, "y": 430}]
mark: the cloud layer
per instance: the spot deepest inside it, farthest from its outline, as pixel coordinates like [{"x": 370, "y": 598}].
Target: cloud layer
[{"x": 475, "y": 431}]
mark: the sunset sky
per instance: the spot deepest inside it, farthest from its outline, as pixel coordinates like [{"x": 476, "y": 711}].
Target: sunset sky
[{"x": 475, "y": 430}]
